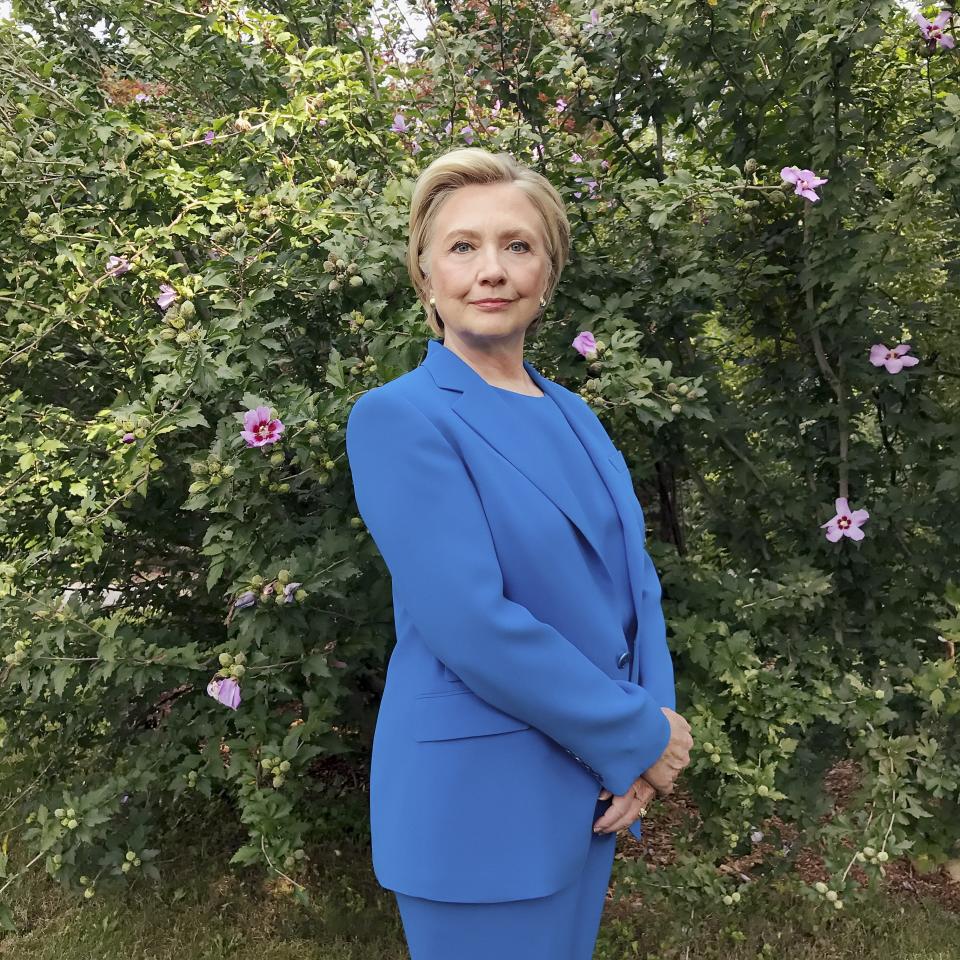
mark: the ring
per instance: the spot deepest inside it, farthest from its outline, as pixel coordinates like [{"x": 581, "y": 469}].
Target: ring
[{"x": 642, "y": 813}]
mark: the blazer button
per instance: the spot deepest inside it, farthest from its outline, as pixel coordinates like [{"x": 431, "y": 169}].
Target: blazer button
[{"x": 623, "y": 659}]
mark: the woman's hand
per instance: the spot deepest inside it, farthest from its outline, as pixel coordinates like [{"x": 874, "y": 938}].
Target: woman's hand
[
  {"x": 676, "y": 755},
  {"x": 626, "y": 808}
]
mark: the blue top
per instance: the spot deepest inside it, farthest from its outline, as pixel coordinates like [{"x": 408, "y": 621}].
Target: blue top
[{"x": 570, "y": 458}]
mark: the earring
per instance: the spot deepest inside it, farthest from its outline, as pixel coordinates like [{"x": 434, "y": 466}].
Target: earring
[
  {"x": 543, "y": 302},
  {"x": 433, "y": 301}
]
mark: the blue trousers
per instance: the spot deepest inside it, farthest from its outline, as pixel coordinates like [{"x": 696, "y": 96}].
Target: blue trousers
[{"x": 562, "y": 926}]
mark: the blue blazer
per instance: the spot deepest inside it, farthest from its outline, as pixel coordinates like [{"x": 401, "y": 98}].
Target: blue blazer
[{"x": 511, "y": 697}]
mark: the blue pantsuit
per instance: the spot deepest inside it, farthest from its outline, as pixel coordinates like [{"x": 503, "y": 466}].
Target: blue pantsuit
[
  {"x": 531, "y": 662},
  {"x": 562, "y": 926}
]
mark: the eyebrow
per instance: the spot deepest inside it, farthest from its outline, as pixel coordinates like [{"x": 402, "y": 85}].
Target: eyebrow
[{"x": 503, "y": 233}]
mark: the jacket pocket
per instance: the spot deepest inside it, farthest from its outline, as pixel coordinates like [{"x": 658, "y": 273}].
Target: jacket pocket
[{"x": 459, "y": 713}]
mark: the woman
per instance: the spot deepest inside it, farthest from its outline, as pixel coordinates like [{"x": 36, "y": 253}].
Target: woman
[{"x": 530, "y": 694}]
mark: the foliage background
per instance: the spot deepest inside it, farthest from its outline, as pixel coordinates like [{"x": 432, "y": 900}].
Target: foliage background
[{"x": 736, "y": 320}]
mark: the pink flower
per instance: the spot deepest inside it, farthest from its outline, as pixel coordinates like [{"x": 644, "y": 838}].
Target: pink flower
[
  {"x": 117, "y": 265},
  {"x": 400, "y": 124},
  {"x": 561, "y": 104},
  {"x": 496, "y": 107},
  {"x": 894, "y": 360},
  {"x": 246, "y": 599},
  {"x": 805, "y": 180},
  {"x": 576, "y": 158},
  {"x": 591, "y": 182},
  {"x": 259, "y": 429},
  {"x": 584, "y": 343},
  {"x": 933, "y": 30},
  {"x": 167, "y": 296},
  {"x": 845, "y": 523},
  {"x": 209, "y": 137},
  {"x": 142, "y": 97},
  {"x": 226, "y": 690}
]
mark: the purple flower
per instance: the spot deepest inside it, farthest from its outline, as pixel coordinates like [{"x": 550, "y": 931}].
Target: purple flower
[
  {"x": 576, "y": 158},
  {"x": 538, "y": 150},
  {"x": 167, "y": 296},
  {"x": 448, "y": 127},
  {"x": 246, "y": 599},
  {"x": 594, "y": 16},
  {"x": 584, "y": 343},
  {"x": 805, "y": 181},
  {"x": 894, "y": 360},
  {"x": 591, "y": 182},
  {"x": 129, "y": 438},
  {"x": 288, "y": 591},
  {"x": 467, "y": 132},
  {"x": 117, "y": 266},
  {"x": 561, "y": 104},
  {"x": 933, "y": 30},
  {"x": 400, "y": 124},
  {"x": 259, "y": 429},
  {"x": 496, "y": 107},
  {"x": 845, "y": 523},
  {"x": 209, "y": 137},
  {"x": 142, "y": 97},
  {"x": 226, "y": 690}
]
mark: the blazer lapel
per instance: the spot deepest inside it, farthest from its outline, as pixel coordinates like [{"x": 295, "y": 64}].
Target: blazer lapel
[{"x": 486, "y": 412}]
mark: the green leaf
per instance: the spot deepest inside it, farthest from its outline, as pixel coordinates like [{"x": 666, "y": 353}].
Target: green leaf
[
  {"x": 316, "y": 665},
  {"x": 60, "y": 675},
  {"x": 246, "y": 854}
]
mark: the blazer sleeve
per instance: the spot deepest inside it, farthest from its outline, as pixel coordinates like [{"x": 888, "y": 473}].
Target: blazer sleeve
[{"x": 423, "y": 511}]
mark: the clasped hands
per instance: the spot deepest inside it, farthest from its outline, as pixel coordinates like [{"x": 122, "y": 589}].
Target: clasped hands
[{"x": 656, "y": 780}]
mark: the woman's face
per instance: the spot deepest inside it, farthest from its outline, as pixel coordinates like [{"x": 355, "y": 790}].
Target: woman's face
[{"x": 487, "y": 243}]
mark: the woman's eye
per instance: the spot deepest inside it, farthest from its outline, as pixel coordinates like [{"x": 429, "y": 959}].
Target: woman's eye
[{"x": 522, "y": 243}]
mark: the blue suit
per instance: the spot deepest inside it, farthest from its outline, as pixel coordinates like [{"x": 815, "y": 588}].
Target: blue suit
[{"x": 510, "y": 698}]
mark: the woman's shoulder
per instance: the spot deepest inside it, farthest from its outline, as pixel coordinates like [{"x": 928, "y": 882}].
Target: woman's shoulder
[{"x": 401, "y": 399}]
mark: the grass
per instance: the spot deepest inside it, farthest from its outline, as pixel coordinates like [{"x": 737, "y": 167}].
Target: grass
[{"x": 205, "y": 910}]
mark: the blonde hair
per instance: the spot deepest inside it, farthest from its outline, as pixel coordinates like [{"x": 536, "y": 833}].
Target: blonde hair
[{"x": 473, "y": 165}]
